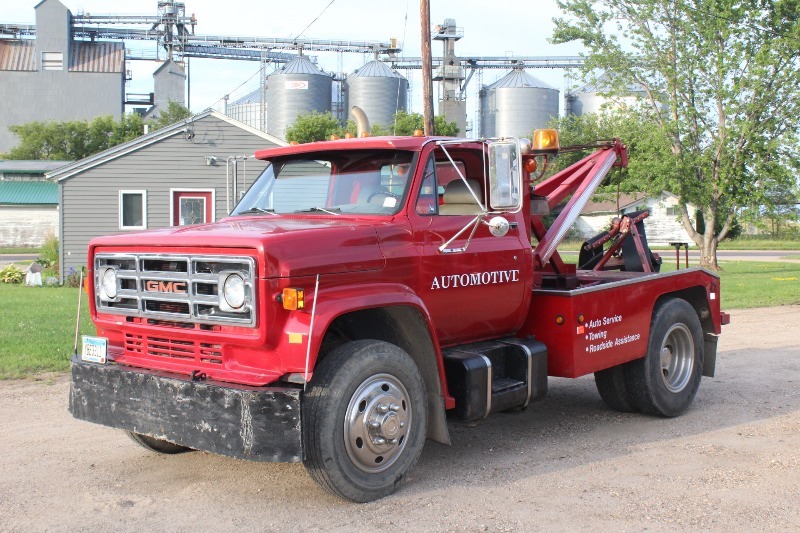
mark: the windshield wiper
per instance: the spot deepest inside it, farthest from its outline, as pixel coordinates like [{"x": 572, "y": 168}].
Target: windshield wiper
[
  {"x": 253, "y": 210},
  {"x": 331, "y": 211}
]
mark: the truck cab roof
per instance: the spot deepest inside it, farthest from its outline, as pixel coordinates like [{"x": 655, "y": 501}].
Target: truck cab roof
[{"x": 366, "y": 143}]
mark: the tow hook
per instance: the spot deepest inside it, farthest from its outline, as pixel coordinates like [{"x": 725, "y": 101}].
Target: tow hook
[{"x": 197, "y": 375}]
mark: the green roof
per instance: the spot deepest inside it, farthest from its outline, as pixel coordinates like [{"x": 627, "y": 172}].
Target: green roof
[{"x": 28, "y": 193}]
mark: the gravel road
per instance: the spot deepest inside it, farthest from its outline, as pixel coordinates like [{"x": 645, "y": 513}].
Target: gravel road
[{"x": 732, "y": 462}]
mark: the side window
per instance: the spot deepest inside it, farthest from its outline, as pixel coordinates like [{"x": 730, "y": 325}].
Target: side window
[
  {"x": 443, "y": 192},
  {"x": 457, "y": 197},
  {"x": 428, "y": 199},
  {"x": 132, "y": 209}
]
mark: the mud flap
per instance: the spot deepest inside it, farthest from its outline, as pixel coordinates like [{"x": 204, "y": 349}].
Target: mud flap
[{"x": 709, "y": 355}]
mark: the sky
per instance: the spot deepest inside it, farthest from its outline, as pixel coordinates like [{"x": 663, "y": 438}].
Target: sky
[{"x": 499, "y": 28}]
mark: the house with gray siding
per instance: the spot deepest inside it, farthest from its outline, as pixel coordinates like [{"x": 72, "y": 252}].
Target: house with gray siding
[
  {"x": 187, "y": 173},
  {"x": 56, "y": 77}
]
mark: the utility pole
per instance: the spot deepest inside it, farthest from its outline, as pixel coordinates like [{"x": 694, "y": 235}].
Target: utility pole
[{"x": 427, "y": 66}]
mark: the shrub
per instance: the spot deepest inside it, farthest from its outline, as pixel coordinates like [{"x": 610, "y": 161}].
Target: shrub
[
  {"x": 12, "y": 274},
  {"x": 73, "y": 278},
  {"x": 48, "y": 257}
]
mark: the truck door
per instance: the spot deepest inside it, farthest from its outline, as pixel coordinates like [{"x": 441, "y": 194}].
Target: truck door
[{"x": 477, "y": 293}]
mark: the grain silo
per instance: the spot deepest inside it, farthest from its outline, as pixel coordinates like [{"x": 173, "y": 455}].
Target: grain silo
[
  {"x": 298, "y": 88},
  {"x": 379, "y": 91},
  {"x": 247, "y": 110},
  {"x": 516, "y": 104},
  {"x": 596, "y": 96}
]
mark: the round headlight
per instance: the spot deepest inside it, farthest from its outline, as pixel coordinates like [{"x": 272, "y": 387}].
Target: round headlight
[
  {"x": 108, "y": 283},
  {"x": 233, "y": 291}
]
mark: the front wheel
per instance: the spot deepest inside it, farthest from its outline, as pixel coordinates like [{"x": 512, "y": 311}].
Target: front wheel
[
  {"x": 364, "y": 420},
  {"x": 665, "y": 382},
  {"x": 156, "y": 445}
]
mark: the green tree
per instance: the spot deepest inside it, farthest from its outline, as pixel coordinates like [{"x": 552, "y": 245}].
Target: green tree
[
  {"x": 648, "y": 148},
  {"x": 720, "y": 82},
  {"x": 313, "y": 126},
  {"x": 405, "y": 123},
  {"x": 73, "y": 140},
  {"x": 317, "y": 126},
  {"x": 175, "y": 112}
]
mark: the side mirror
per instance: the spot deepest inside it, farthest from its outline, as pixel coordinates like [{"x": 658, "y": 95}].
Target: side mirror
[
  {"x": 504, "y": 175},
  {"x": 498, "y": 226}
]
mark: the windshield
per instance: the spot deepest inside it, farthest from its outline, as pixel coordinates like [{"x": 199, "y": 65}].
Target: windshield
[{"x": 371, "y": 182}]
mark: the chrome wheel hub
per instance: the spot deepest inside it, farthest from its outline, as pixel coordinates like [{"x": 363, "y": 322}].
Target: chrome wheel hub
[
  {"x": 376, "y": 424},
  {"x": 677, "y": 357}
]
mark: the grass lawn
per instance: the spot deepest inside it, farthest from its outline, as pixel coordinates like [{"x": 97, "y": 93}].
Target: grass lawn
[
  {"x": 37, "y": 324},
  {"x": 37, "y": 328},
  {"x": 746, "y": 283},
  {"x": 759, "y": 244},
  {"x": 756, "y": 284},
  {"x": 20, "y": 251}
]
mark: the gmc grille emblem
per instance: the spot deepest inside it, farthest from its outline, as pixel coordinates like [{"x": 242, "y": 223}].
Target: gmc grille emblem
[{"x": 165, "y": 286}]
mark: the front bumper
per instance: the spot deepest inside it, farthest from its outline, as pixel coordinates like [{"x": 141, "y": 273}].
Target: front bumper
[{"x": 253, "y": 423}]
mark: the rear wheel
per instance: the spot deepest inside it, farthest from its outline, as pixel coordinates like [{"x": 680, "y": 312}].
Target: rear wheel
[
  {"x": 364, "y": 420},
  {"x": 613, "y": 388},
  {"x": 156, "y": 445},
  {"x": 665, "y": 382}
]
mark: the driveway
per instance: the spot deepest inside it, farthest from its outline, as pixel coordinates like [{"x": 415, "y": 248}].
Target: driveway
[{"x": 567, "y": 463}]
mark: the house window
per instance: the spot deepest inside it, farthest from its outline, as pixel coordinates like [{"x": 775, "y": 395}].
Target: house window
[
  {"x": 673, "y": 212},
  {"x": 132, "y": 209},
  {"x": 195, "y": 206},
  {"x": 52, "y": 61}
]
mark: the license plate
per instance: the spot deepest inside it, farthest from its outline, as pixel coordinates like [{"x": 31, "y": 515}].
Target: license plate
[{"x": 95, "y": 349}]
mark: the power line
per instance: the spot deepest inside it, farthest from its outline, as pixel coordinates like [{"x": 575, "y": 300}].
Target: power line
[
  {"x": 315, "y": 19},
  {"x": 266, "y": 64}
]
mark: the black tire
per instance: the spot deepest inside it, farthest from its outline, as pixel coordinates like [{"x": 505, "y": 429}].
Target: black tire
[
  {"x": 156, "y": 445},
  {"x": 613, "y": 388},
  {"x": 666, "y": 380},
  {"x": 364, "y": 420}
]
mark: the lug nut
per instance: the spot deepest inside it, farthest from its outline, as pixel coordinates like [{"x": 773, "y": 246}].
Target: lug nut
[{"x": 382, "y": 409}]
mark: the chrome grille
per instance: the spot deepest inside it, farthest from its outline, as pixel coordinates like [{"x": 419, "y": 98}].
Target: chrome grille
[{"x": 180, "y": 288}]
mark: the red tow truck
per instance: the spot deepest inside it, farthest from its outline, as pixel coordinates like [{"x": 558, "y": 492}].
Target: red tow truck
[{"x": 363, "y": 291}]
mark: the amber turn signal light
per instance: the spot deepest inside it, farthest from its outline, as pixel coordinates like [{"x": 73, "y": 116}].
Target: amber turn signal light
[
  {"x": 529, "y": 165},
  {"x": 559, "y": 320},
  {"x": 293, "y": 299},
  {"x": 335, "y": 137}
]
